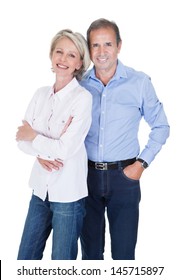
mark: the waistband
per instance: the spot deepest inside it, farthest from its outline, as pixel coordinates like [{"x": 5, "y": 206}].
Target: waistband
[{"x": 110, "y": 165}]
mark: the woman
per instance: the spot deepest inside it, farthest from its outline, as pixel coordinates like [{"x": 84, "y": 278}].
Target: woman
[{"x": 56, "y": 123}]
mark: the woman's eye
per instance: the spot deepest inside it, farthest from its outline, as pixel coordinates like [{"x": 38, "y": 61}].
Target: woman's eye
[{"x": 72, "y": 55}]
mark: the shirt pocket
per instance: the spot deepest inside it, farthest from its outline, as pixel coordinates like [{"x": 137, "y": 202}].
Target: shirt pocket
[{"x": 59, "y": 127}]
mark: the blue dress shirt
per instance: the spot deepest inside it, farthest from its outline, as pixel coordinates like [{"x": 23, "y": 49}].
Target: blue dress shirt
[{"x": 117, "y": 111}]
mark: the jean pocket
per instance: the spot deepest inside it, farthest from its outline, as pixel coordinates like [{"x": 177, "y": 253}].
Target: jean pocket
[{"x": 126, "y": 177}]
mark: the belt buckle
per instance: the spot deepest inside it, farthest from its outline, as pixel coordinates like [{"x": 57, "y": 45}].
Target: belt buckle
[{"x": 101, "y": 165}]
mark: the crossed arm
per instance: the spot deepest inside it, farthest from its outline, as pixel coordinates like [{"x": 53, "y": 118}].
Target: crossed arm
[
  {"x": 27, "y": 133},
  {"x": 49, "y": 165}
]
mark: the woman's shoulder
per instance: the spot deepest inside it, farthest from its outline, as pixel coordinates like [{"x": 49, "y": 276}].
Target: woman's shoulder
[
  {"x": 85, "y": 93},
  {"x": 44, "y": 89}
]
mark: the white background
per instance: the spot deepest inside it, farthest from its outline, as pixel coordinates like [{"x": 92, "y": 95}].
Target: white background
[{"x": 150, "y": 35}]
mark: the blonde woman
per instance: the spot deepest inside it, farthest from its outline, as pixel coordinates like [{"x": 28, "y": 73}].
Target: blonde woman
[{"x": 56, "y": 123}]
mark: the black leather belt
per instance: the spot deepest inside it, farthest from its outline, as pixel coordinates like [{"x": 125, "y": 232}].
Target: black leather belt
[{"x": 110, "y": 165}]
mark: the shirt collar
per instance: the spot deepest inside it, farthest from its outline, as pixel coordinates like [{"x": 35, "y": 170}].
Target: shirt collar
[
  {"x": 65, "y": 90},
  {"x": 120, "y": 72}
]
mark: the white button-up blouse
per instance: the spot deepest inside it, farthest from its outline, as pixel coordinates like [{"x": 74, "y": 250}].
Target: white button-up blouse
[{"x": 62, "y": 121}]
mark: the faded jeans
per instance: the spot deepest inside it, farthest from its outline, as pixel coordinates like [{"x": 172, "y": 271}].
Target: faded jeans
[{"x": 64, "y": 219}]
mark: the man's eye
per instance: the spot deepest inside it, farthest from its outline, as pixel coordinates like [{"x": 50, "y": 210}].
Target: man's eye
[
  {"x": 109, "y": 44},
  {"x": 94, "y": 45}
]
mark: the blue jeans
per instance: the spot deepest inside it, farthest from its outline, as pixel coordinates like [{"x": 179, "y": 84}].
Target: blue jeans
[
  {"x": 110, "y": 190},
  {"x": 65, "y": 219}
]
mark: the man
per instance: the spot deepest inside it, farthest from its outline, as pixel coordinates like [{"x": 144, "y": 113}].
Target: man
[{"x": 121, "y": 97}]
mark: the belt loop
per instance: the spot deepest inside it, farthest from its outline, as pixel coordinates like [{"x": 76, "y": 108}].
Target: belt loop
[{"x": 119, "y": 165}]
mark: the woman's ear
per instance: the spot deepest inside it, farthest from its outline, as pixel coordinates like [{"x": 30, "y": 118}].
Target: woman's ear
[{"x": 79, "y": 65}]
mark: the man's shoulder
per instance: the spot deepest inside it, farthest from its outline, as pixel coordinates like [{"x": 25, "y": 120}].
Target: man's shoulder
[
  {"x": 133, "y": 72},
  {"x": 136, "y": 73},
  {"x": 84, "y": 82},
  {"x": 86, "y": 75}
]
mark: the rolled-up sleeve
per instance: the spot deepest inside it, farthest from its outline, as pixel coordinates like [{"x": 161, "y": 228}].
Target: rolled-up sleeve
[{"x": 155, "y": 116}]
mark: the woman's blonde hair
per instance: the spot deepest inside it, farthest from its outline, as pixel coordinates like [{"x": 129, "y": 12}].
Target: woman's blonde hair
[{"x": 81, "y": 45}]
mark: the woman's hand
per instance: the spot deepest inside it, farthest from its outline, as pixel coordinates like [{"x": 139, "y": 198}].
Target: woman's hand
[
  {"x": 49, "y": 165},
  {"x": 25, "y": 132}
]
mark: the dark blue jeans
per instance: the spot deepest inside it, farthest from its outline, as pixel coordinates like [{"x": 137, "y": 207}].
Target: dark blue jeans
[
  {"x": 65, "y": 219},
  {"x": 111, "y": 191}
]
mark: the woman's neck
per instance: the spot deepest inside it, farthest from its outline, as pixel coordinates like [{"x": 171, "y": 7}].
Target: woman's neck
[{"x": 61, "y": 82}]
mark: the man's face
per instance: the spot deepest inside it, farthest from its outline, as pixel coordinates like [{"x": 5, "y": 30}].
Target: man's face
[{"x": 104, "y": 49}]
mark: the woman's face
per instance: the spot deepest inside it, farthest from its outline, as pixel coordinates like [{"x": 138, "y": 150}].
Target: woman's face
[{"x": 65, "y": 58}]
